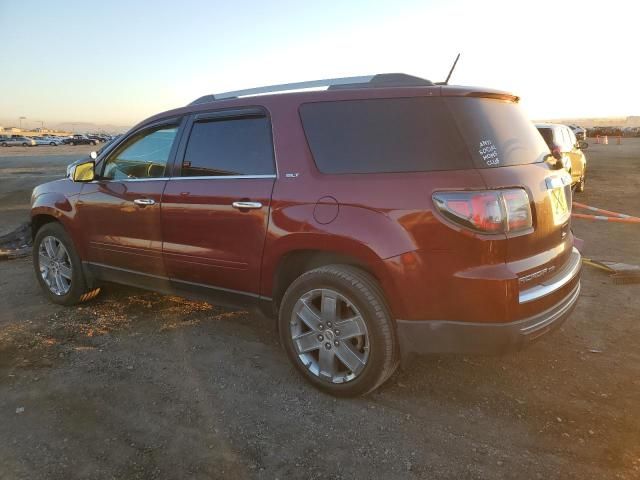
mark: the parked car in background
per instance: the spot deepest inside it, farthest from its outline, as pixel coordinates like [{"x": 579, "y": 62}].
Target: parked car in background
[
  {"x": 383, "y": 217},
  {"x": 579, "y": 132},
  {"x": 604, "y": 131},
  {"x": 18, "y": 141},
  {"x": 79, "y": 140},
  {"x": 631, "y": 132},
  {"x": 97, "y": 138},
  {"x": 566, "y": 148},
  {"x": 47, "y": 141}
]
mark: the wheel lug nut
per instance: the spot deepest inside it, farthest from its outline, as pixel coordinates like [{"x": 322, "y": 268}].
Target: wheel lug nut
[
  {"x": 337, "y": 332},
  {"x": 329, "y": 324},
  {"x": 327, "y": 346},
  {"x": 321, "y": 327},
  {"x": 320, "y": 337},
  {"x": 336, "y": 343}
]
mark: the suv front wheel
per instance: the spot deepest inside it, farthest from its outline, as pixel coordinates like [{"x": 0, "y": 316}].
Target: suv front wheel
[
  {"x": 337, "y": 330},
  {"x": 58, "y": 266}
]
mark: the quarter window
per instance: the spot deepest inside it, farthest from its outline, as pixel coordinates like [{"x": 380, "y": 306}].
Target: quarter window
[
  {"x": 383, "y": 136},
  {"x": 145, "y": 155},
  {"x": 223, "y": 147}
]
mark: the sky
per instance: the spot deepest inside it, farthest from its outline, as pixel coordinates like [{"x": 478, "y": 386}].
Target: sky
[{"x": 119, "y": 62}]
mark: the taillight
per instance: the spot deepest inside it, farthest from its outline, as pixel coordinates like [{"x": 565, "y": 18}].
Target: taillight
[{"x": 487, "y": 211}]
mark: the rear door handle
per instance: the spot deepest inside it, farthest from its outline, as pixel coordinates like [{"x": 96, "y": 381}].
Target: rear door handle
[
  {"x": 143, "y": 202},
  {"x": 246, "y": 205}
]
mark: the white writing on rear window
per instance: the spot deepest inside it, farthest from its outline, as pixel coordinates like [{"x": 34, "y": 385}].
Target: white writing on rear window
[{"x": 489, "y": 153}]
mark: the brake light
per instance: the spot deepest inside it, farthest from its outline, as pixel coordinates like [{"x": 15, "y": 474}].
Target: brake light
[{"x": 487, "y": 211}]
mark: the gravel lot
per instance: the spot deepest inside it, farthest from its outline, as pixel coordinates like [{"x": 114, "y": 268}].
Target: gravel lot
[{"x": 139, "y": 385}]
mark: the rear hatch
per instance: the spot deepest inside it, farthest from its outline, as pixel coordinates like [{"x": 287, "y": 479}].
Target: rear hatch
[{"x": 509, "y": 152}]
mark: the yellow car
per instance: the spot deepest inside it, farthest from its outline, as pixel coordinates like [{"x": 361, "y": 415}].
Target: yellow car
[{"x": 565, "y": 147}]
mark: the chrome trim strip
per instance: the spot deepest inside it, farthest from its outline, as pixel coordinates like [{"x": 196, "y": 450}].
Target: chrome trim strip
[
  {"x": 569, "y": 301},
  {"x": 567, "y": 273},
  {"x": 118, "y": 180},
  {"x": 224, "y": 177},
  {"x": 558, "y": 181}
]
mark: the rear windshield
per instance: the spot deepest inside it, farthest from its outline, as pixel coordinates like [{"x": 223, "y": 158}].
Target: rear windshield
[
  {"x": 497, "y": 132},
  {"x": 384, "y": 136},
  {"x": 547, "y": 134}
]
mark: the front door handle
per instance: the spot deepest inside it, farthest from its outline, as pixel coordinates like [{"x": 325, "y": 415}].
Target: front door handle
[
  {"x": 143, "y": 202},
  {"x": 246, "y": 205}
]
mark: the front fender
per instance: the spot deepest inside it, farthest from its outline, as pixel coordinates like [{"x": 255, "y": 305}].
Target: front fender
[{"x": 60, "y": 207}]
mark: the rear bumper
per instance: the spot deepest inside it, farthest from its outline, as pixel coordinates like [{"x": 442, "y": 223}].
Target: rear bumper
[{"x": 439, "y": 336}]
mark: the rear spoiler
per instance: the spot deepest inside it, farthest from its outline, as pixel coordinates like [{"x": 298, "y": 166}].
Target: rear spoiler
[
  {"x": 455, "y": 91},
  {"x": 495, "y": 95}
]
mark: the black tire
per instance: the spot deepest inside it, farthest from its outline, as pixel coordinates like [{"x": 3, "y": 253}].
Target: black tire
[
  {"x": 72, "y": 143},
  {"x": 94, "y": 143},
  {"x": 4, "y": 144},
  {"x": 363, "y": 291},
  {"x": 78, "y": 291},
  {"x": 25, "y": 144},
  {"x": 53, "y": 144}
]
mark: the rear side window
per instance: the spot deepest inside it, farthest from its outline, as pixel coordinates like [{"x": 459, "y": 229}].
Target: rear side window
[
  {"x": 497, "y": 132},
  {"x": 383, "y": 136},
  {"x": 221, "y": 147}
]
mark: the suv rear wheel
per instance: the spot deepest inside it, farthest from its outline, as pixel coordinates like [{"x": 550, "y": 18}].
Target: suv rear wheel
[
  {"x": 58, "y": 266},
  {"x": 337, "y": 330}
]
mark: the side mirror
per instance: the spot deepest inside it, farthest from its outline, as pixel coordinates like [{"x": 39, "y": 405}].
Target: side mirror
[
  {"x": 83, "y": 172},
  {"x": 582, "y": 145},
  {"x": 93, "y": 155}
]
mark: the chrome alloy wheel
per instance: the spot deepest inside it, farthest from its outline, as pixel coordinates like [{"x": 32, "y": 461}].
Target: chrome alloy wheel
[
  {"x": 329, "y": 335},
  {"x": 55, "y": 265}
]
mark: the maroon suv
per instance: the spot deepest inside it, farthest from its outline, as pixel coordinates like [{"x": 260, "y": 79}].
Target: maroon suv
[{"x": 381, "y": 217}]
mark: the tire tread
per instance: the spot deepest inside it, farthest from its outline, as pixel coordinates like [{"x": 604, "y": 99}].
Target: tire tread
[{"x": 372, "y": 293}]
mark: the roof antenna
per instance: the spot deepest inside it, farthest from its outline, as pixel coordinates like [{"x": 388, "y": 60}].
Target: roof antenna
[{"x": 446, "y": 82}]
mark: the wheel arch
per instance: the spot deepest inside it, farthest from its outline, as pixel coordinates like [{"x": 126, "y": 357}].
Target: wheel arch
[
  {"x": 39, "y": 220},
  {"x": 55, "y": 207},
  {"x": 292, "y": 264}
]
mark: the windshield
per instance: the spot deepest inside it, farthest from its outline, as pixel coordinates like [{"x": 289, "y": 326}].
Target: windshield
[{"x": 547, "y": 134}]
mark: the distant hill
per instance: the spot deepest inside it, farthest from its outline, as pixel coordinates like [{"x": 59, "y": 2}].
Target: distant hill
[
  {"x": 77, "y": 127},
  {"x": 83, "y": 127}
]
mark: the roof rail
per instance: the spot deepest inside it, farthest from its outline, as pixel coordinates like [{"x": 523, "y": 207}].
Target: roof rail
[{"x": 367, "y": 81}]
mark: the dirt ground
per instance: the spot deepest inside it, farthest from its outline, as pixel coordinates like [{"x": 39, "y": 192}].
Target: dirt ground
[{"x": 139, "y": 385}]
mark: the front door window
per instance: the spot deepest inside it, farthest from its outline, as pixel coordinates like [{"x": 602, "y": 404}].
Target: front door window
[{"x": 143, "y": 156}]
